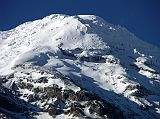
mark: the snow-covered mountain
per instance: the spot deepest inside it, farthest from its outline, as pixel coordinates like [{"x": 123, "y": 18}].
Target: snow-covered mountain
[{"x": 77, "y": 67}]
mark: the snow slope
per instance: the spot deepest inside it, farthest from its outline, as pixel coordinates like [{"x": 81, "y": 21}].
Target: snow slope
[{"x": 102, "y": 58}]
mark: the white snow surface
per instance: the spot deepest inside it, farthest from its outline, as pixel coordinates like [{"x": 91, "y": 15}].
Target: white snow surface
[{"x": 129, "y": 60}]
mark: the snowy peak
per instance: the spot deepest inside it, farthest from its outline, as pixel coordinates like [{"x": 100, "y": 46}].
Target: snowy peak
[
  {"x": 70, "y": 32},
  {"x": 93, "y": 56}
]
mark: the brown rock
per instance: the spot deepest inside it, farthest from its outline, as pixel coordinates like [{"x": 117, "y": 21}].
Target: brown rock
[
  {"x": 69, "y": 94},
  {"x": 96, "y": 107},
  {"x": 53, "y": 91},
  {"x": 76, "y": 110},
  {"x": 83, "y": 96},
  {"x": 29, "y": 86},
  {"x": 52, "y": 110}
]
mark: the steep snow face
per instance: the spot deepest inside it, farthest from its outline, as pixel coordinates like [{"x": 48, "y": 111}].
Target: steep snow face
[
  {"x": 46, "y": 34},
  {"x": 102, "y": 58},
  {"x": 70, "y": 32}
]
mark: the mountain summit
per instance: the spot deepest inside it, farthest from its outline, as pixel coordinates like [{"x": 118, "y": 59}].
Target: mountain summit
[{"x": 77, "y": 67}]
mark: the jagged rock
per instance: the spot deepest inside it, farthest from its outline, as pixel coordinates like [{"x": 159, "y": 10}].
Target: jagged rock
[
  {"x": 67, "y": 53},
  {"x": 104, "y": 109},
  {"x": 79, "y": 95},
  {"x": 42, "y": 80},
  {"x": 83, "y": 95},
  {"x": 53, "y": 91},
  {"x": 69, "y": 94},
  {"x": 112, "y": 60},
  {"x": 76, "y": 110},
  {"x": 131, "y": 87},
  {"x": 29, "y": 86},
  {"x": 41, "y": 72},
  {"x": 3, "y": 79},
  {"x": 92, "y": 59},
  {"x": 10, "y": 76},
  {"x": 72, "y": 53},
  {"x": 77, "y": 50},
  {"x": 63, "y": 97},
  {"x": 77, "y": 113},
  {"x": 139, "y": 90},
  {"x": 37, "y": 90},
  {"x": 96, "y": 107},
  {"x": 76, "y": 105},
  {"x": 52, "y": 110},
  {"x": 33, "y": 97},
  {"x": 21, "y": 85}
]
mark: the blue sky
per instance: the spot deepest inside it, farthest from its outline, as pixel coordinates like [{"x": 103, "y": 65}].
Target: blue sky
[{"x": 141, "y": 17}]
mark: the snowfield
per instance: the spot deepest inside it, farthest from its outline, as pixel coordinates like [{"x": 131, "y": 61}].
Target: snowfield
[{"x": 78, "y": 53}]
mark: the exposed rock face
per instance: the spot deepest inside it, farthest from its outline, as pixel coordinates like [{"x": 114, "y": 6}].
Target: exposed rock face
[
  {"x": 83, "y": 96},
  {"x": 55, "y": 99},
  {"x": 53, "y": 91},
  {"x": 92, "y": 59},
  {"x": 52, "y": 110},
  {"x": 76, "y": 110},
  {"x": 69, "y": 94},
  {"x": 76, "y": 54},
  {"x": 104, "y": 110},
  {"x": 96, "y": 107},
  {"x": 141, "y": 91}
]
